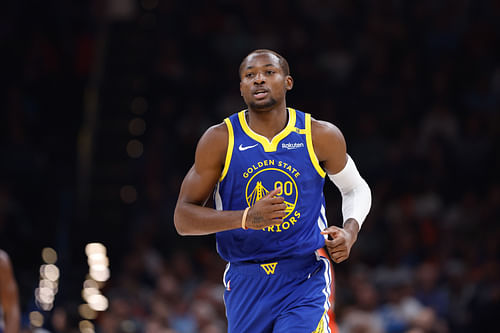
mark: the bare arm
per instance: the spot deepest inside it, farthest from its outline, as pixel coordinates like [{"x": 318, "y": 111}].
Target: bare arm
[
  {"x": 9, "y": 296},
  {"x": 330, "y": 148},
  {"x": 191, "y": 218}
]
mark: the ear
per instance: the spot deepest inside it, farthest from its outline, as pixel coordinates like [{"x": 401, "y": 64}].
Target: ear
[
  {"x": 241, "y": 92},
  {"x": 288, "y": 82}
]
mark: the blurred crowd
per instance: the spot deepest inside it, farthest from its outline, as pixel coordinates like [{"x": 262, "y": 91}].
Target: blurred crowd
[{"x": 413, "y": 85}]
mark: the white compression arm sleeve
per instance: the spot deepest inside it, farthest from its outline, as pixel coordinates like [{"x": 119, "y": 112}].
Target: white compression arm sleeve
[{"x": 356, "y": 194}]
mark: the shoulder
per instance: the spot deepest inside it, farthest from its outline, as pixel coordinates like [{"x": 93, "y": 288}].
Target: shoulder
[
  {"x": 320, "y": 128},
  {"x": 213, "y": 143},
  {"x": 4, "y": 256},
  {"x": 215, "y": 136},
  {"x": 4, "y": 259},
  {"x": 326, "y": 133},
  {"x": 216, "y": 133},
  {"x": 329, "y": 145}
]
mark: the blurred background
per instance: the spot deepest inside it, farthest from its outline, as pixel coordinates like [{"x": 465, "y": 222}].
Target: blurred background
[{"x": 102, "y": 104}]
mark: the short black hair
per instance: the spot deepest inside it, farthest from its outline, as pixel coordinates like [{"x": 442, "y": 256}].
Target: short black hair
[{"x": 283, "y": 63}]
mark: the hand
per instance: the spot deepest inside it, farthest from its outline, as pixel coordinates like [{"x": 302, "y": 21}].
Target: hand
[
  {"x": 339, "y": 247},
  {"x": 266, "y": 212}
]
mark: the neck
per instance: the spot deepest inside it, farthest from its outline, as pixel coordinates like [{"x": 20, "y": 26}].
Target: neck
[{"x": 267, "y": 123}]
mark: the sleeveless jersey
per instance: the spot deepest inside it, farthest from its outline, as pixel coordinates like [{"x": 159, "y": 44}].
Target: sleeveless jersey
[{"x": 253, "y": 167}]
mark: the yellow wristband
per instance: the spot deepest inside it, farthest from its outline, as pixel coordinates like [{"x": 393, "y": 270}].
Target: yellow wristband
[{"x": 244, "y": 218}]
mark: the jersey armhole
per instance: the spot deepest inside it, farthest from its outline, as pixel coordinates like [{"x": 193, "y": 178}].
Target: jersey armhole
[
  {"x": 310, "y": 147},
  {"x": 230, "y": 145}
]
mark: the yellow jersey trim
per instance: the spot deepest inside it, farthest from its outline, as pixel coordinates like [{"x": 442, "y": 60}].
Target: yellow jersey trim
[
  {"x": 321, "y": 326},
  {"x": 269, "y": 146},
  {"x": 230, "y": 146},
  {"x": 310, "y": 148}
]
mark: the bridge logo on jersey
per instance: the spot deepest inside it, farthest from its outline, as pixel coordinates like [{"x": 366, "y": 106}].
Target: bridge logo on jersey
[
  {"x": 269, "y": 268},
  {"x": 267, "y": 175},
  {"x": 266, "y": 180}
]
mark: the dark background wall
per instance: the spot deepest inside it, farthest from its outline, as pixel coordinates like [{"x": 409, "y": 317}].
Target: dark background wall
[{"x": 102, "y": 103}]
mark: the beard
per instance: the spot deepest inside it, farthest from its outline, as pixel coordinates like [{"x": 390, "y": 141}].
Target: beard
[{"x": 264, "y": 106}]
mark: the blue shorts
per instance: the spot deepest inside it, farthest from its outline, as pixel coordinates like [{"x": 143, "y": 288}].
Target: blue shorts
[{"x": 289, "y": 295}]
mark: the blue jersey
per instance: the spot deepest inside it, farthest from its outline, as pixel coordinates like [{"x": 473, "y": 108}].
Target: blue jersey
[{"x": 254, "y": 166}]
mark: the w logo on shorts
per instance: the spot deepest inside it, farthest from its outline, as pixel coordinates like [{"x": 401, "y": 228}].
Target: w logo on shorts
[{"x": 269, "y": 268}]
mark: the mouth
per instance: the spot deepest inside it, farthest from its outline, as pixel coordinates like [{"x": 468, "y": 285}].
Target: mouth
[{"x": 260, "y": 93}]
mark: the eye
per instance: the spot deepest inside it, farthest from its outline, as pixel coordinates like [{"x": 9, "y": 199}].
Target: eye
[
  {"x": 269, "y": 72},
  {"x": 249, "y": 75}
]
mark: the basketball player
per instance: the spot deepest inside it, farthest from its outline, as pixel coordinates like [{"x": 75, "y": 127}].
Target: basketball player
[
  {"x": 10, "y": 313},
  {"x": 267, "y": 165}
]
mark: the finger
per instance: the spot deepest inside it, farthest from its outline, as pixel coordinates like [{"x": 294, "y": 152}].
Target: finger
[
  {"x": 343, "y": 258},
  {"x": 278, "y": 214},
  {"x": 338, "y": 241},
  {"x": 277, "y": 200},
  {"x": 338, "y": 253},
  {"x": 331, "y": 230},
  {"x": 272, "y": 193},
  {"x": 339, "y": 259},
  {"x": 279, "y": 206},
  {"x": 270, "y": 209},
  {"x": 335, "y": 248},
  {"x": 338, "y": 256}
]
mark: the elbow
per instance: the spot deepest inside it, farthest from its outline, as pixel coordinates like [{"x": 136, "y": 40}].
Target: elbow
[
  {"x": 179, "y": 227},
  {"x": 365, "y": 200},
  {"x": 179, "y": 223}
]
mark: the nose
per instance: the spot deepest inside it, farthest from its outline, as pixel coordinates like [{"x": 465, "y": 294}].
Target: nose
[{"x": 259, "y": 78}]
